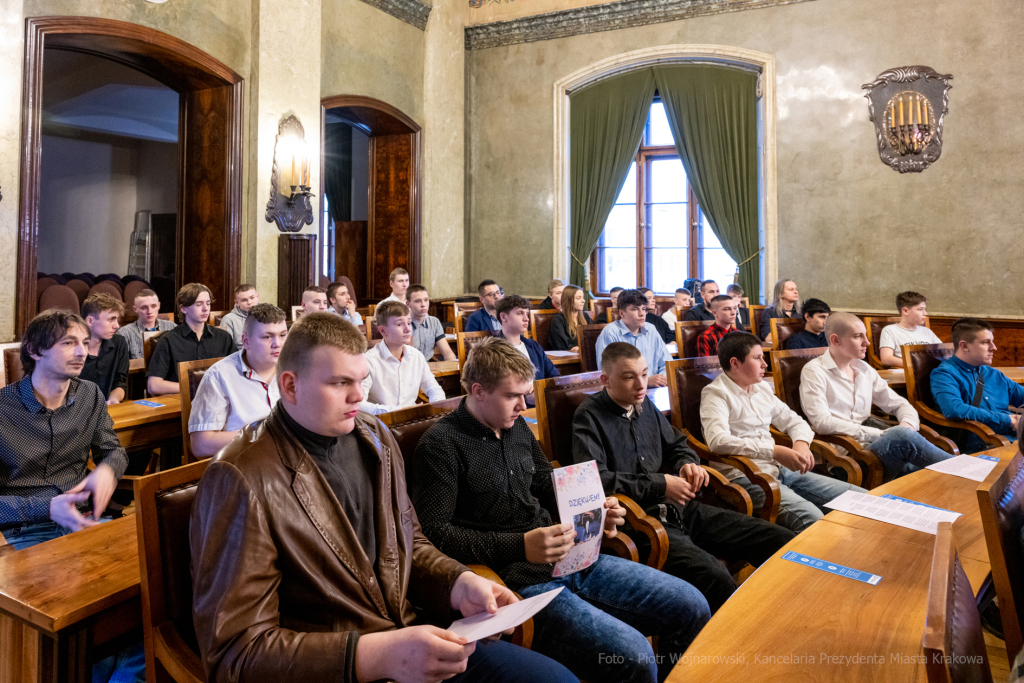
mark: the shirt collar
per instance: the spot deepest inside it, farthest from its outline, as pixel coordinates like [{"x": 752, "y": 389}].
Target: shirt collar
[
  {"x": 963, "y": 365},
  {"x": 244, "y": 369},
  {"x": 621, "y": 327},
  {"x": 138, "y": 323},
  {"x": 32, "y": 404},
  {"x": 606, "y": 403},
  {"x": 185, "y": 331},
  {"x": 239, "y": 311},
  {"x": 315, "y": 444},
  {"x": 385, "y": 353},
  {"x": 735, "y": 388},
  {"x": 471, "y": 426}
]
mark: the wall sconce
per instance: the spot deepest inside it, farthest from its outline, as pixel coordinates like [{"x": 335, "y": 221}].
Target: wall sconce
[{"x": 289, "y": 204}]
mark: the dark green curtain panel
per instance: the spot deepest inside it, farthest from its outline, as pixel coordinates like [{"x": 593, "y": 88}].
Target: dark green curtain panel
[
  {"x": 606, "y": 122},
  {"x": 712, "y": 111},
  {"x": 338, "y": 170}
]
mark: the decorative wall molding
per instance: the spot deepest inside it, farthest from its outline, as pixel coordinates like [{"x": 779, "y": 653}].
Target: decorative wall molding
[
  {"x": 725, "y": 55},
  {"x": 409, "y": 11},
  {"x": 594, "y": 18}
]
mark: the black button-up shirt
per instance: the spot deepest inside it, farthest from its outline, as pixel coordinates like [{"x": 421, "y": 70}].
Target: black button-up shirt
[
  {"x": 43, "y": 453},
  {"x": 108, "y": 369},
  {"x": 181, "y": 344},
  {"x": 476, "y": 495}
]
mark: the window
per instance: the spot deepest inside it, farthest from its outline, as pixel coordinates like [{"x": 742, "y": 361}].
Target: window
[{"x": 656, "y": 235}]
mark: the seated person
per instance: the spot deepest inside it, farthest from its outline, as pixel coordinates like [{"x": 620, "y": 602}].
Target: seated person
[
  {"x": 837, "y": 390},
  {"x": 399, "y": 280},
  {"x": 339, "y": 299},
  {"x": 314, "y": 300},
  {"x": 147, "y": 307},
  {"x": 702, "y": 311},
  {"x": 398, "y": 372},
  {"x": 563, "y": 335},
  {"x": 485, "y": 318},
  {"x": 666, "y": 331},
  {"x": 614, "y": 296},
  {"x": 50, "y": 420},
  {"x": 633, "y": 452},
  {"x": 682, "y": 300},
  {"x": 483, "y": 492},
  {"x": 967, "y": 387},
  {"x": 630, "y": 328},
  {"x": 737, "y": 409},
  {"x": 911, "y": 329},
  {"x": 234, "y": 320},
  {"x": 743, "y": 310},
  {"x": 428, "y": 334},
  {"x": 723, "y": 307},
  {"x": 785, "y": 304},
  {"x": 816, "y": 313},
  {"x": 554, "y": 300},
  {"x": 193, "y": 339},
  {"x": 241, "y": 388},
  {"x": 107, "y": 362},
  {"x": 514, "y": 313},
  {"x": 320, "y": 592}
]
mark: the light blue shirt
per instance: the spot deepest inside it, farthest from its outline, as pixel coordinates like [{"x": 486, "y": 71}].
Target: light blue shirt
[{"x": 648, "y": 341}]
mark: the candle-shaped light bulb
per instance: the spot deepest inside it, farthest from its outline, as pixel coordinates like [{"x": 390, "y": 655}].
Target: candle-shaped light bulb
[
  {"x": 924, "y": 106},
  {"x": 919, "y": 119},
  {"x": 901, "y": 109},
  {"x": 892, "y": 113}
]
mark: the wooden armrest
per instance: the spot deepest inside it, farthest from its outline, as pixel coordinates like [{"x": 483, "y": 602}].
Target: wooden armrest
[
  {"x": 5, "y": 547},
  {"x": 984, "y": 432},
  {"x": 650, "y": 527},
  {"x": 766, "y": 482},
  {"x": 175, "y": 656},
  {"x": 623, "y": 546},
  {"x": 937, "y": 439},
  {"x": 523, "y": 634},
  {"x": 733, "y": 495},
  {"x": 870, "y": 466},
  {"x": 829, "y": 456}
]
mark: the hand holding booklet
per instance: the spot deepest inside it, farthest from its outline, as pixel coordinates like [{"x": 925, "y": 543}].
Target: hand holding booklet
[
  {"x": 580, "y": 498},
  {"x": 484, "y": 625}
]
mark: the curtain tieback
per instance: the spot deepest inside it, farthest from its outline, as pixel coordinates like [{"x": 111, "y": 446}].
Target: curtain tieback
[
  {"x": 749, "y": 258},
  {"x": 582, "y": 264}
]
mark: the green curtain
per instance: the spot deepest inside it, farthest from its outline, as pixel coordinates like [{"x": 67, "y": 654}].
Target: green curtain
[
  {"x": 712, "y": 111},
  {"x": 606, "y": 122}
]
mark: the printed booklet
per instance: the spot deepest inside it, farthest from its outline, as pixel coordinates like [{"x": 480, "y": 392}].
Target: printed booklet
[{"x": 580, "y": 497}]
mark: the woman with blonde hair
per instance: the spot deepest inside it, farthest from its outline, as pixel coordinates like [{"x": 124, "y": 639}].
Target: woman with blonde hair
[
  {"x": 564, "y": 332},
  {"x": 785, "y": 303}
]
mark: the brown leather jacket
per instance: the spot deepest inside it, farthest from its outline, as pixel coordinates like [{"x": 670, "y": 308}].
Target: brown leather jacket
[{"x": 282, "y": 588}]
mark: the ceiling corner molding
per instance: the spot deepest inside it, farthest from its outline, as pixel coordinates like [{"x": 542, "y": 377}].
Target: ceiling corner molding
[
  {"x": 410, "y": 11},
  {"x": 606, "y": 17}
]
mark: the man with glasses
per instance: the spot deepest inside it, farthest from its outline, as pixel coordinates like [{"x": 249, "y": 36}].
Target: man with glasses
[{"x": 486, "y": 318}]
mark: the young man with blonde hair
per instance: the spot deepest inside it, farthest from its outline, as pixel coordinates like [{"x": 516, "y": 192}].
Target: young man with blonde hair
[
  {"x": 233, "y": 321},
  {"x": 482, "y": 487},
  {"x": 336, "y": 580},
  {"x": 108, "y": 359},
  {"x": 399, "y": 280},
  {"x": 681, "y": 300},
  {"x": 147, "y": 306},
  {"x": 554, "y": 300},
  {"x": 241, "y": 388},
  {"x": 193, "y": 339},
  {"x": 911, "y": 329},
  {"x": 398, "y": 372}
]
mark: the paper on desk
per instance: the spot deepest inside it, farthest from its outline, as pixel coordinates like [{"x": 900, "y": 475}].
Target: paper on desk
[
  {"x": 483, "y": 625},
  {"x": 892, "y": 511},
  {"x": 560, "y": 354},
  {"x": 966, "y": 466}
]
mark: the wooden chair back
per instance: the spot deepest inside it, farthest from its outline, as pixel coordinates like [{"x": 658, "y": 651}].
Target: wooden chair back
[
  {"x": 1001, "y": 499},
  {"x": 953, "y": 642},
  {"x": 922, "y": 359},
  {"x": 107, "y": 287},
  {"x": 163, "y": 508},
  {"x": 465, "y": 341},
  {"x": 756, "y": 313},
  {"x": 557, "y": 399},
  {"x": 297, "y": 312},
  {"x": 687, "y": 332},
  {"x": 588, "y": 335},
  {"x": 783, "y": 329},
  {"x": 371, "y": 329},
  {"x": 408, "y": 425},
  {"x": 874, "y": 326},
  {"x": 680, "y": 311},
  {"x": 10, "y": 364},
  {"x": 540, "y": 324},
  {"x": 599, "y": 306},
  {"x": 42, "y": 284},
  {"x": 687, "y": 377},
  {"x": 60, "y": 296},
  {"x": 149, "y": 341},
  {"x": 788, "y": 366},
  {"x": 79, "y": 287},
  {"x": 461, "y": 309},
  {"x": 663, "y": 304},
  {"x": 215, "y": 317},
  {"x": 190, "y": 374}
]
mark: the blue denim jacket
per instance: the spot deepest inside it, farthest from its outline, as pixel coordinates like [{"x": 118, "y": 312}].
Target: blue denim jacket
[{"x": 953, "y": 384}]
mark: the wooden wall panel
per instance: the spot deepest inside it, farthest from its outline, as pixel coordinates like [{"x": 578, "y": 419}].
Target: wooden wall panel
[
  {"x": 392, "y": 194},
  {"x": 1008, "y": 335},
  {"x": 350, "y": 241},
  {"x": 296, "y": 267}
]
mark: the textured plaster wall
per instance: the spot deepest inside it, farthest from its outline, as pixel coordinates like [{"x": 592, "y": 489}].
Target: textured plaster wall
[
  {"x": 11, "y": 49},
  {"x": 851, "y": 231}
]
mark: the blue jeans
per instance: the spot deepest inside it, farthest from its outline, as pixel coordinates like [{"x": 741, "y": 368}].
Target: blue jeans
[
  {"x": 598, "y": 625},
  {"x": 803, "y": 497},
  {"x": 502, "y": 662},
  {"x": 903, "y": 450},
  {"x": 126, "y": 666}
]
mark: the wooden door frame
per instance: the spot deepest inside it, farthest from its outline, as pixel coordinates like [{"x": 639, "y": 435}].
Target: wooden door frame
[
  {"x": 416, "y": 206},
  {"x": 175, "y": 63}
]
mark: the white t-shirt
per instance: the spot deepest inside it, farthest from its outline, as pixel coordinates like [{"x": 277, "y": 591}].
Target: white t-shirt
[
  {"x": 521, "y": 348},
  {"x": 893, "y": 337}
]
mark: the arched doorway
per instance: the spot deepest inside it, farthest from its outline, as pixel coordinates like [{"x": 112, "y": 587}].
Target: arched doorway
[
  {"x": 208, "y": 230},
  {"x": 366, "y": 251}
]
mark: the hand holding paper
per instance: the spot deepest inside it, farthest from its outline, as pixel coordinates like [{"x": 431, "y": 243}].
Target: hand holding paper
[
  {"x": 485, "y": 625},
  {"x": 474, "y": 595}
]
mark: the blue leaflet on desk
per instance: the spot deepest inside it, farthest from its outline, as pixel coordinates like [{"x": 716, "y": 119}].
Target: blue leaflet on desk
[
  {"x": 832, "y": 568},
  {"x": 988, "y": 457},
  {"x": 914, "y": 502},
  {"x": 531, "y": 420},
  {"x": 150, "y": 404}
]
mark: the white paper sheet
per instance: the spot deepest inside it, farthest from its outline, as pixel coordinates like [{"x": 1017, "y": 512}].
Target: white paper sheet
[
  {"x": 560, "y": 354},
  {"x": 966, "y": 466},
  {"x": 907, "y": 515},
  {"x": 483, "y": 625}
]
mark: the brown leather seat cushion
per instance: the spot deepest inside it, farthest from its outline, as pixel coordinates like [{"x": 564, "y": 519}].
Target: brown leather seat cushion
[
  {"x": 59, "y": 296},
  {"x": 588, "y": 335},
  {"x": 561, "y": 408},
  {"x": 690, "y": 332},
  {"x": 922, "y": 364},
  {"x": 788, "y": 329},
  {"x": 174, "y": 510},
  {"x": 543, "y": 326},
  {"x": 13, "y": 370},
  {"x": 194, "y": 378},
  {"x": 690, "y": 381},
  {"x": 789, "y": 369}
]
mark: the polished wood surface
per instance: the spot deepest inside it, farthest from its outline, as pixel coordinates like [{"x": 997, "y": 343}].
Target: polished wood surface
[
  {"x": 445, "y": 368},
  {"x": 296, "y": 267},
  {"x": 140, "y": 427}
]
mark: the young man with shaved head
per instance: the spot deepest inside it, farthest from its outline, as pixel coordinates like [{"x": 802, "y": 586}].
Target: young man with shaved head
[{"x": 837, "y": 390}]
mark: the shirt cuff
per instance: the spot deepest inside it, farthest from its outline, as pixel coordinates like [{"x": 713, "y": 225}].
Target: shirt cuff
[{"x": 659, "y": 485}]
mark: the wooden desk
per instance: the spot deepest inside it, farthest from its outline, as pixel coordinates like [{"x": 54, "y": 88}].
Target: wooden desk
[
  {"x": 444, "y": 368},
  {"x": 144, "y": 428},
  {"x": 68, "y": 603}
]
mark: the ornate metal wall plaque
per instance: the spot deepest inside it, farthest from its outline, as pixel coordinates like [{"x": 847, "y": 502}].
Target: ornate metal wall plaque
[{"x": 907, "y": 106}]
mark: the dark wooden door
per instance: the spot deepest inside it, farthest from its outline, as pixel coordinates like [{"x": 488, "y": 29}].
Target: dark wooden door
[{"x": 391, "y": 212}]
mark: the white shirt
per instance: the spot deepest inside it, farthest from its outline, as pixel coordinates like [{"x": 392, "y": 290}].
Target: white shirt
[
  {"x": 230, "y": 396},
  {"x": 737, "y": 422},
  {"x": 393, "y": 384},
  {"x": 391, "y": 298},
  {"x": 894, "y": 336},
  {"x": 669, "y": 316},
  {"x": 835, "y": 404}
]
